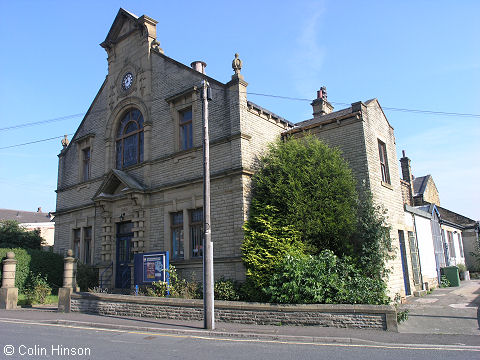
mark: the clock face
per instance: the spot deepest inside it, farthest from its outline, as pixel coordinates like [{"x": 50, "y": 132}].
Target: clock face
[{"x": 127, "y": 81}]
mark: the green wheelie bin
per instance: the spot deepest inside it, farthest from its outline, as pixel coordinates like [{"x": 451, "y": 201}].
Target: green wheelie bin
[{"x": 451, "y": 273}]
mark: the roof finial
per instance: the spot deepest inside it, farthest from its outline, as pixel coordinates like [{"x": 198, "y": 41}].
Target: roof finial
[
  {"x": 237, "y": 66},
  {"x": 65, "y": 141}
]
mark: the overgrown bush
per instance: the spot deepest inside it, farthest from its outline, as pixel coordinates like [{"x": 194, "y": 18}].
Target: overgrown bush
[
  {"x": 444, "y": 282},
  {"x": 157, "y": 288},
  {"x": 226, "y": 289},
  {"x": 37, "y": 289},
  {"x": 12, "y": 235},
  {"x": 313, "y": 189},
  {"x": 304, "y": 201},
  {"x": 36, "y": 262},
  {"x": 87, "y": 276},
  {"x": 371, "y": 240},
  {"x": 461, "y": 268},
  {"x": 323, "y": 279},
  {"x": 266, "y": 243},
  {"x": 177, "y": 287}
]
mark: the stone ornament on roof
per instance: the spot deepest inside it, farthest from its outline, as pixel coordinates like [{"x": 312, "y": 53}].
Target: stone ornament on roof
[
  {"x": 237, "y": 66},
  {"x": 65, "y": 141}
]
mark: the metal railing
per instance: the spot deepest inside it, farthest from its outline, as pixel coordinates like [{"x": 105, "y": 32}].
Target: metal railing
[
  {"x": 126, "y": 278},
  {"x": 102, "y": 281}
]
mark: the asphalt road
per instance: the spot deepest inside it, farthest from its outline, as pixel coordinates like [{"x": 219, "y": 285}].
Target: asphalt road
[{"x": 38, "y": 341}]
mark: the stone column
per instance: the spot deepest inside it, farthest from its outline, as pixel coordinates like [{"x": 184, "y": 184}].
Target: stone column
[
  {"x": 69, "y": 283},
  {"x": 8, "y": 292}
]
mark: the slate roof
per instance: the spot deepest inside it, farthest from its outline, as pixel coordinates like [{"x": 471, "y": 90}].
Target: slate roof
[
  {"x": 330, "y": 116},
  {"x": 268, "y": 112},
  {"x": 24, "y": 217},
  {"x": 420, "y": 184},
  {"x": 455, "y": 218}
]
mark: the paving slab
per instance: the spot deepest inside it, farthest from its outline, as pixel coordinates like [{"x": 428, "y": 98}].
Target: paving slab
[{"x": 452, "y": 310}]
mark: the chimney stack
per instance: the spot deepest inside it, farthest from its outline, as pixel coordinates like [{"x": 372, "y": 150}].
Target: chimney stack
[
  {"x": 320, "y": 105},
  {"x": 39, "y": 209},
  {"x": 199, "y": 66},
  {"x": 407, "y": 174},
  {"x": 406, "y": 168}
]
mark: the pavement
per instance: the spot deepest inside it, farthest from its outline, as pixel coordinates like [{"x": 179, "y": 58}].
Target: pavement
[
  {"x": 445, "y": 317},
  {"x": 453, "y": 310}
]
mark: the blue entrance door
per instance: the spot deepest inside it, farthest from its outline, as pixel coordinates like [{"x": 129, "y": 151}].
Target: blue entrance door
[{"x": 124, "y": 257}]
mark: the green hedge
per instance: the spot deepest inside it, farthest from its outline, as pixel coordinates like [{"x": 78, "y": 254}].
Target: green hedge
[
  {"x": 46, "y": 264},
  {"x": 323, "y": 279}
]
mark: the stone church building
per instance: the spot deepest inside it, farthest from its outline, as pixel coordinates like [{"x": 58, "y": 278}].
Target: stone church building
[{"x": 130, "y": 179}]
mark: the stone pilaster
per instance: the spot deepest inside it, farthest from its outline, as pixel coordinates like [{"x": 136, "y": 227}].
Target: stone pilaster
[
  {"x": 69, "y": 282},
  {"x": 107, "y": 238},
  {"x": 138, "y": 241},
  {"x": 8, "y": 292}
]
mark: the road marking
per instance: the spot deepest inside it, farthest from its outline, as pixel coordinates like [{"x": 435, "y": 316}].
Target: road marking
[
  {"x": 212, "y": 338},
  {"x": 463, "y": 306}
]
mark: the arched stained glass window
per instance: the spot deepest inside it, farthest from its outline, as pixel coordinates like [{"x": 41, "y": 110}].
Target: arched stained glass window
[{"x": 129, "y": 140}]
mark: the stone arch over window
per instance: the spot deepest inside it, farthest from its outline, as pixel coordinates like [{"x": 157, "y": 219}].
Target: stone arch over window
[{"x": 129, "y": 139}]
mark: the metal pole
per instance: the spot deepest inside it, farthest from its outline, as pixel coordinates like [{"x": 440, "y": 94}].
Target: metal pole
[{"x": 208, "y": 297}]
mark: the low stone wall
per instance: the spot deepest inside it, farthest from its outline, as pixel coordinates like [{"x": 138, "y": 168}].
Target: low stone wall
[{"x": 342, "y": 316}]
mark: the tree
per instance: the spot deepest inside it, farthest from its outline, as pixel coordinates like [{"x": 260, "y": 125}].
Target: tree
[
  {"x": 312, "y": 188},
  {"x": 304, "y": 202},
  {"x": 267, "y": 241},
  {"x": 371, "y": 239},
  {"x": 12, "y": 235}
]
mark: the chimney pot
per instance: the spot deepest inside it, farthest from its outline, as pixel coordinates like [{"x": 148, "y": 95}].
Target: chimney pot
[
  {"x": 39, "y": 209},
  {"x": 320, "y": 105},
  {"x": 199, "y": 66}
]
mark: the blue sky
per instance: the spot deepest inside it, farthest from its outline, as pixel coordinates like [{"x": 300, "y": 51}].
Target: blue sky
[{"x": 409, "y": 54}]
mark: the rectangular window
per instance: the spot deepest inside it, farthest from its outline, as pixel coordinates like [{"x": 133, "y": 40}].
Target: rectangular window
[
  {"x": 76, "y": 243},
  {"x": 87, "y": 242},
  {"x": 177, "y": 235},
  {"x": 86, "y": 164},
  {"x": 451, "y": 245},
  {"x": 186, "y": 137},
  {"x": 196, "y": 232},
  {"x": 382, "y": 149}
]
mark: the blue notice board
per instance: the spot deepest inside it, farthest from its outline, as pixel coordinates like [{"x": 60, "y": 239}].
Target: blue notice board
[{"x": 150, "y": 267}]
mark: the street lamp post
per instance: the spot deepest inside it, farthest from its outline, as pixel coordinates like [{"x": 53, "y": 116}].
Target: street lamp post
[{"x": 208, "y": 297}]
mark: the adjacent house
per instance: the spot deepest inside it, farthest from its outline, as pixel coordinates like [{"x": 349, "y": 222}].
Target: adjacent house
[
  {"x": 425, "y": 191},
  {"x": 462, "y": 232},
  {"x": 30, "y": 220},
  {"x": 439, "y": 232}
]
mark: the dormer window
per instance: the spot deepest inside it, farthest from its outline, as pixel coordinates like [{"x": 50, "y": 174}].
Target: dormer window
[
  {"x": 86, "y": 164},
  {"x": 129, "y": 141}
]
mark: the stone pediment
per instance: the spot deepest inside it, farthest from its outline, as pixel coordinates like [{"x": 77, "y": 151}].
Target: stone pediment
[
  {"x": 126, "y": 23},
  {"x": 117, "y": 183}
]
